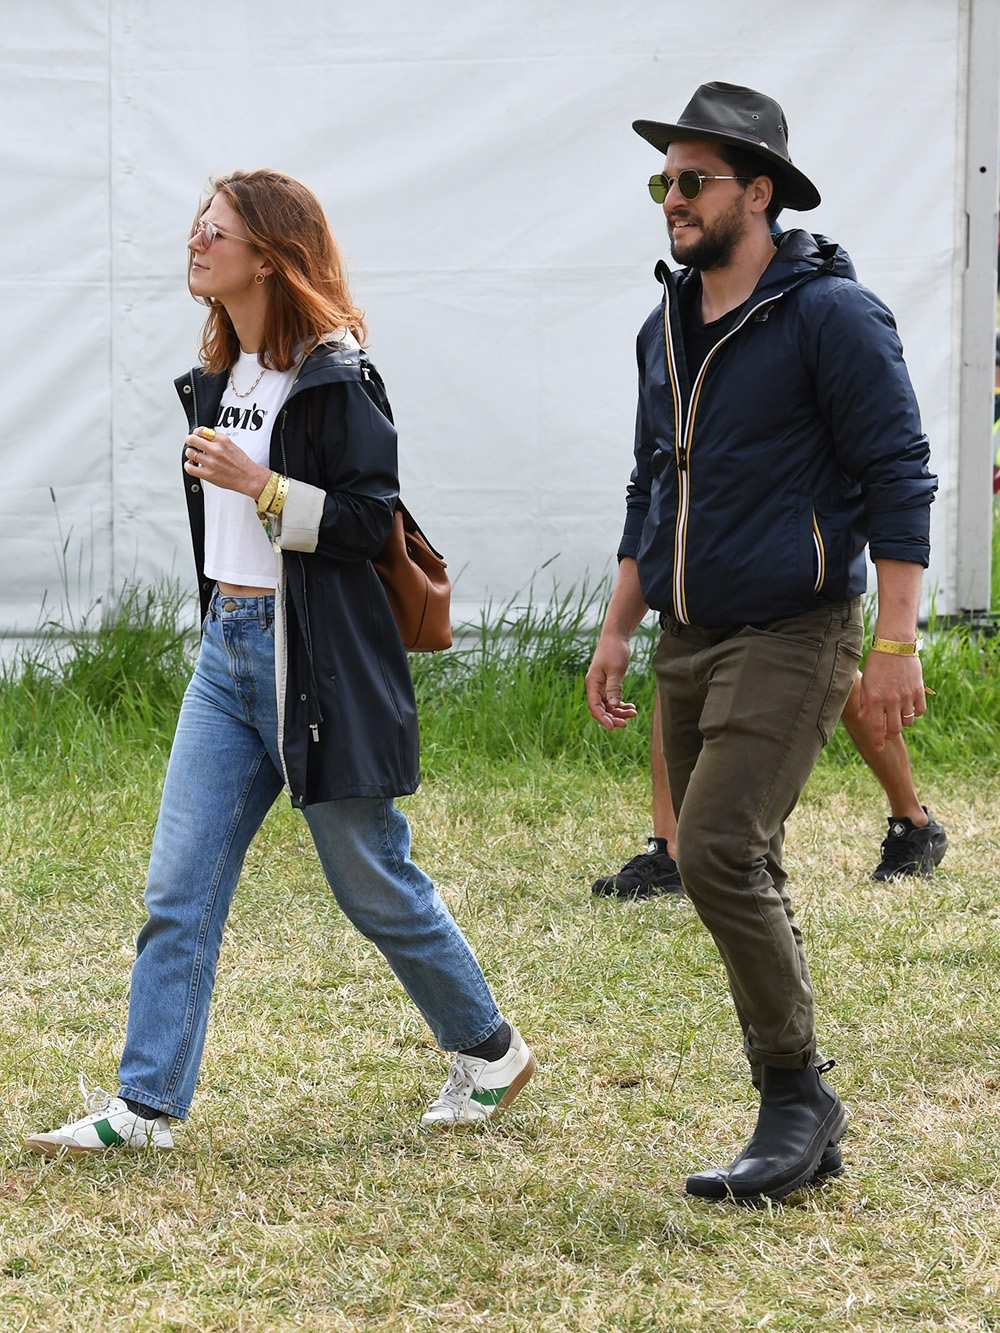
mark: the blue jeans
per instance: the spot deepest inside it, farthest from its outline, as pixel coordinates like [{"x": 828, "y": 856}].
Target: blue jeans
[{"x": 224, "y": 775}]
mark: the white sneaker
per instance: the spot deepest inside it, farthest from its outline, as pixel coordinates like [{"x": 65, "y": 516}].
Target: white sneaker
[
  {"x": 478, "y": 1089},
  {"x": 107, "y": 1124}
]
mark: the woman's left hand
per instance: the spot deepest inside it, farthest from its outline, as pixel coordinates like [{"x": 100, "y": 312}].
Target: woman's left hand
[{"x": 212, "y": 455}]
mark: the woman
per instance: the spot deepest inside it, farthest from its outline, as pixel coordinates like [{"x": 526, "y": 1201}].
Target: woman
[{"x": 301, "y": 679}]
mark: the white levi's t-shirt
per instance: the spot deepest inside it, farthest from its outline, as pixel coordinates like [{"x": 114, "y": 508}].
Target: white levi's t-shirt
[{"x": 237, "y": 548}]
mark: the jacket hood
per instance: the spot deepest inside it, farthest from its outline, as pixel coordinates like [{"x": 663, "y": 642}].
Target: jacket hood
[
  {"x": 808, "y": 250},
  {"x": 339, "y": 357}
]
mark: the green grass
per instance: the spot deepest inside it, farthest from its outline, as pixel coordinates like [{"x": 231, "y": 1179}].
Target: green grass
[
  {"x": 512, "y": 688},
  {"x": 302, "y": 1195}
]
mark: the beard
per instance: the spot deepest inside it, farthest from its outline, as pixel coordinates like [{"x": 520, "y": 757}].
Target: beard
[{"x": 716, "y": 245}]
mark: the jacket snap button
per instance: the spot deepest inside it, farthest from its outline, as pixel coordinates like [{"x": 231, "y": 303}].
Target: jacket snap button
[{"x": 186, "y": 388}]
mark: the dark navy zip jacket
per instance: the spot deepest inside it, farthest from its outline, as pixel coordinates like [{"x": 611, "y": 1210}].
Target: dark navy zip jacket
[
  {"x": 761, "y": 474},
  {"x": 347, "y": 715}
]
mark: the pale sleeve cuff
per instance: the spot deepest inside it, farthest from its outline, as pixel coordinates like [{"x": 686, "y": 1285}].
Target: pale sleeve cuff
[{"x": 297, "y": 526}]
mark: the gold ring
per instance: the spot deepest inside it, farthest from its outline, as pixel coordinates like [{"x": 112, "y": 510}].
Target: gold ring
[{"x": 207, "y": 433}]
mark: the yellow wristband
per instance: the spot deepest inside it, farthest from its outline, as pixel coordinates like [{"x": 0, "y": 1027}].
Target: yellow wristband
[
  {"x": 280, "y": 496},
  {"x": 895, "y": 648},
  {"x": 267, "y": 494}
]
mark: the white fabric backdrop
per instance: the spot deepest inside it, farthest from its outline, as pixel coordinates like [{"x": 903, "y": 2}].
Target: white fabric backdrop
[{"x": 478, "y": 166}]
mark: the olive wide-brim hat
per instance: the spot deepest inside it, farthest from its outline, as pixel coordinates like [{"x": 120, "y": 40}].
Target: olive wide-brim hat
[{"x": 727, "y": 113}]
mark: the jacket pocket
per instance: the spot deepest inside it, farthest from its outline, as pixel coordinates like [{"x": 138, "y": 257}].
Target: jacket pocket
[{"x": 819, "y": 555}]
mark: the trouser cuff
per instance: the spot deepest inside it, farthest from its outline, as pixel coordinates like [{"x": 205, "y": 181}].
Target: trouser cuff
[{"x": 781, "y": 1059}]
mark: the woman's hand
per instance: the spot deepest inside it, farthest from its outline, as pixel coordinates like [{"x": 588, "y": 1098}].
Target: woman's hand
[{"x": 212, "y": 456}]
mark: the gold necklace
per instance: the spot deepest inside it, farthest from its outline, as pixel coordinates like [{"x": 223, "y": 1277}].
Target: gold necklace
[{"x": 232, "y": 383}]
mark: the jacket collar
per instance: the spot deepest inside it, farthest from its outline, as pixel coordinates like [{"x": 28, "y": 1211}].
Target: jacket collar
[{"x": 800, "y": 257}]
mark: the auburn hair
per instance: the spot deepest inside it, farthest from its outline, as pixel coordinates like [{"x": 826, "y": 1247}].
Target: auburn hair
[{"x": 309, "y": 298}]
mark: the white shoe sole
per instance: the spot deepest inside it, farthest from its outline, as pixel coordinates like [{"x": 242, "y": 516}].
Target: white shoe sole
[{"x": 46, "y": 1148}]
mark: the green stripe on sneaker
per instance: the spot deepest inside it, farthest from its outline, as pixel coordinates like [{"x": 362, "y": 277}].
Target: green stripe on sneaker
[
  {"x": 489, "y": 1097},
  {"x": 108, "y": 1136}
]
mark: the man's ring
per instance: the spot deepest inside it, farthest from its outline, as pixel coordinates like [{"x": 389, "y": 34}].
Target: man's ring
[
  {"x": 906, "y": 715},
  {"x": 207, "y": 433}
]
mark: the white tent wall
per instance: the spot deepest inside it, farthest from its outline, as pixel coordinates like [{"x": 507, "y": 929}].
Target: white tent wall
[{"x": 478, "y": 166}]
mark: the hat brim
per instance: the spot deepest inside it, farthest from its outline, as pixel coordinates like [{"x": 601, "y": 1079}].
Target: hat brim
[{"x": 797, "y": 190}]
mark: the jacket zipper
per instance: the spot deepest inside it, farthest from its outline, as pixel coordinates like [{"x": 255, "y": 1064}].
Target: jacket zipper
[
  {"x": 193, "y": 412},
  {"x": 683, "y": 436},
  {"x": 313, "y": 726}
]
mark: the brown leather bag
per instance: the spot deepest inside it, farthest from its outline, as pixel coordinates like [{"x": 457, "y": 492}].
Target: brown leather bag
[
  {"x": 414, "y": 575},
  {"x": 416, "y": 582}
]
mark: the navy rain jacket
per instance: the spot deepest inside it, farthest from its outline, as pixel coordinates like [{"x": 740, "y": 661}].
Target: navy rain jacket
[
  {"x": 348, "y": 724},
  {"x": 760, "y": 475}
]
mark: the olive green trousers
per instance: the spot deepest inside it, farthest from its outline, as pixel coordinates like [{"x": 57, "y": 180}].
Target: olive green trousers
[{"x": 745, "y": 713}]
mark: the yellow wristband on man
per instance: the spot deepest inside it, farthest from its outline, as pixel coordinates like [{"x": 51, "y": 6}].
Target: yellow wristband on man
[{"x": 895, "y": 648}]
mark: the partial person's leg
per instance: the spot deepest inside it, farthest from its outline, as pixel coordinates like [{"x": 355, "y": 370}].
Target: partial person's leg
[
  {"x": 915, "y": 842},
  {"x": 220, "y": 784},
  {"x": 654, "y": 871},
  {"x": 891, "y": 765},
  {"x": 364, "y": 847},
  {"x": 664, "y": 819}
]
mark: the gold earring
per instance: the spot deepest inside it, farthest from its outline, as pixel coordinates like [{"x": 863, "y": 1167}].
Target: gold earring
[{"x": 259, "y": 279}]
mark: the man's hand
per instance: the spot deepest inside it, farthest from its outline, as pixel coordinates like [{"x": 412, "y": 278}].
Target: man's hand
[
  {"x": 604, "y": 682},
  {"x": 892, "y": 695},
  {"x": 614, "y": 650},
  {"x": 892, "y": 687}
]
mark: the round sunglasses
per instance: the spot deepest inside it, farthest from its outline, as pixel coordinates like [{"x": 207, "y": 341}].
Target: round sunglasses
[{"x": 689, "y": 182}]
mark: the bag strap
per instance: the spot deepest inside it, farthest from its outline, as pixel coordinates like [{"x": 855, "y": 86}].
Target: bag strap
[
  {"x": 375, "y": 389},
  {"x": 410, "y": 525}
]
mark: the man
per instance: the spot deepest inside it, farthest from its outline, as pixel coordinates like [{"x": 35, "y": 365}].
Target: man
[
  {"x": 914, "y": 844},
  {"x": 777, "y": 432}
]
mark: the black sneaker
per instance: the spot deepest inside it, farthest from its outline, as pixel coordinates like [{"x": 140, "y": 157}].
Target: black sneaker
[
  {"x": 647, "y": 875},
  {"x": 908, "y": 850}
]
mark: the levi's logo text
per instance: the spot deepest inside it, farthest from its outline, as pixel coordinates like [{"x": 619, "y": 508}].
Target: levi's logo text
[{"x": 241, "y": 418}]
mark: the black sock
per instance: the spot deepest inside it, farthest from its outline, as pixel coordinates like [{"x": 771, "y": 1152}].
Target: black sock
[
  {"x": 493, "y": 1048},
  {"x": 141, "y": 1109},
  {"x": 658, "y": 844}
]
